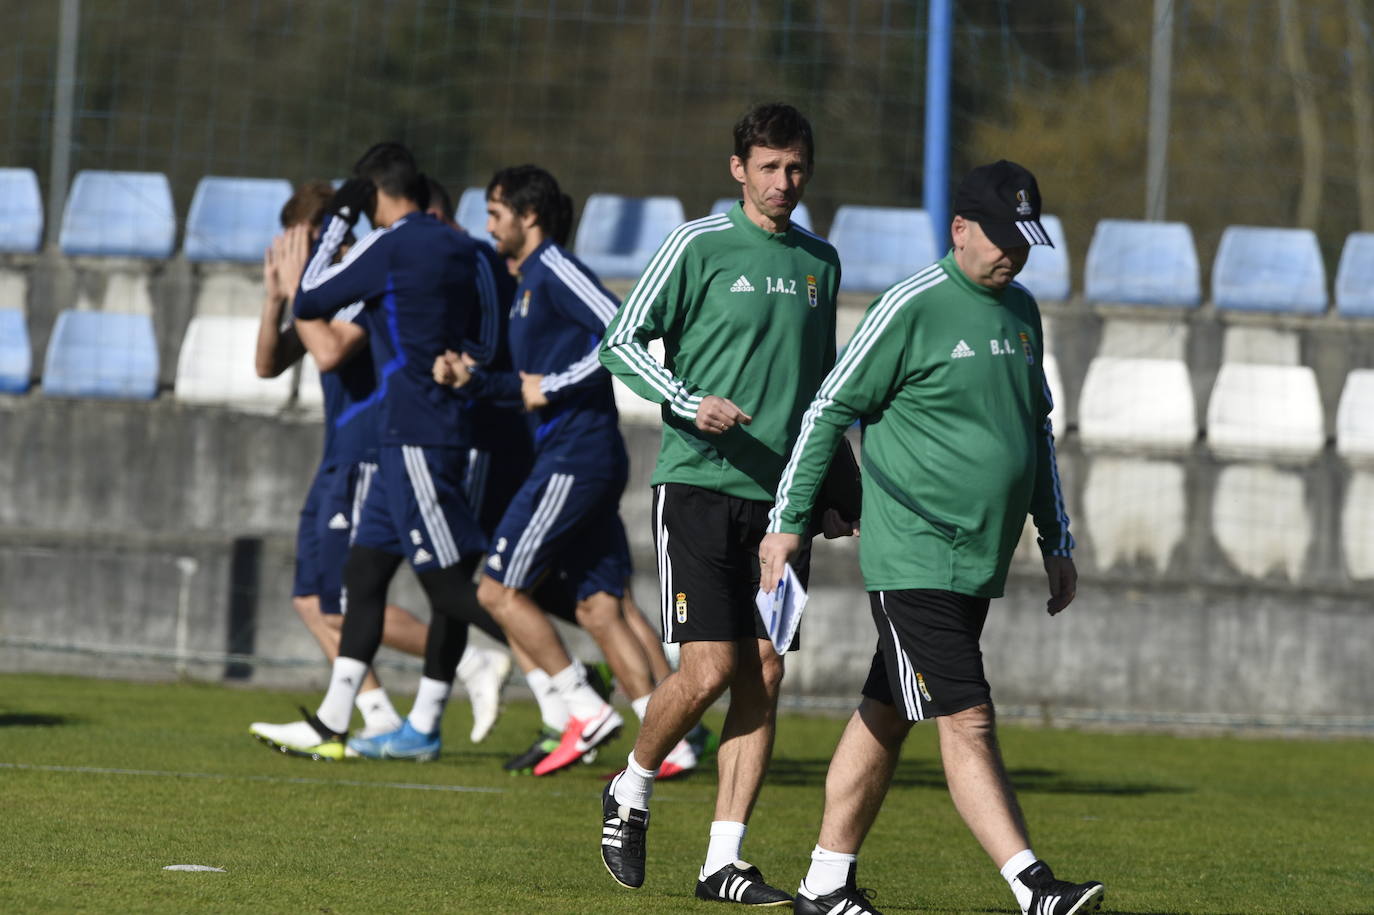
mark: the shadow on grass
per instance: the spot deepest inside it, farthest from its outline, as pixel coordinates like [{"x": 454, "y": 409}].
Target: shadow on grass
[
  {"x": 25, "y": 720},
  {"x": 929, "y": 774}
]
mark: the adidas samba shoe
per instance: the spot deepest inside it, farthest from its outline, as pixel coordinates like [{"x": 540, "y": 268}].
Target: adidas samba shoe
[
  {"x": 849, "y": 899},
  {"x": 740, "y": 882},
  {"x": 623, "y": 834},
  {"x": 1059, "y": 897}
]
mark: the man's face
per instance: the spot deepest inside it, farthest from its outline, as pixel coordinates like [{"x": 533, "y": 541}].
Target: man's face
[
  {"x": 985, "y": 263},
  {"x": 773, "y": 179},
  {"x": 505, "y": 226}
]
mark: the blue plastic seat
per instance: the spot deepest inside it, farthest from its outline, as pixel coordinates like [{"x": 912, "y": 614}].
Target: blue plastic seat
[
  {"x": 101, "y": 354},
  {"x": 1262, "y": 269},
  {"x": 21, "y": 211},
  {"x": 234, "y": 219},
  {"x": 16, "y": 361},
  {"x": 617, "y": 235},
  {"x": 880, "y": 245},
  {"x": 801, "y": 215},
  {"x": 1132, "y": 262},
  {"x": 1355, "y": 276},
  {"x": 119, "y": 214},
  {"x": 1046, "y": 273},
  {"x": 472, "y": 213}
]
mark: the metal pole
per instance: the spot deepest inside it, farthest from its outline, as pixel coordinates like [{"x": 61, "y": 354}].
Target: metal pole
[
  {"x": 1161, "y": 67},
  {"x": 939, "y": 41},
  {"x": 63, "y": 108}
]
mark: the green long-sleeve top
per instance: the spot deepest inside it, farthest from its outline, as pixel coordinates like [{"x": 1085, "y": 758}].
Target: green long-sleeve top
[
  {"x": 957, "y": 448},
  {"x": 744, "y": 314}
]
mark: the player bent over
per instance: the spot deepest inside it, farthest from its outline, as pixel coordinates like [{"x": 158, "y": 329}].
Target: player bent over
[{"x": 947, "y": 370}]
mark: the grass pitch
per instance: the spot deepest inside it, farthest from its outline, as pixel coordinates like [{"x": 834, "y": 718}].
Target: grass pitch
[{"x": 105, "y": 783}]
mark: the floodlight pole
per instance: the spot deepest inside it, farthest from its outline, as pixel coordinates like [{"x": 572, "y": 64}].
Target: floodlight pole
[
  {"x": 1157, "y": 145},
  {"x": 939, "y": 43},
  {"x": 63, "y": 108}
]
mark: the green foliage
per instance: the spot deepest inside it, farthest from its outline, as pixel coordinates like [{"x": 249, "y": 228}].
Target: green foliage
[{"x": 105, "y": 783}]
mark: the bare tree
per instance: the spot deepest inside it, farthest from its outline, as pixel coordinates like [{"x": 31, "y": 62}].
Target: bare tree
[
  {"x": 1361, "y": 109},
  {"x": 1309, "y": 116}
]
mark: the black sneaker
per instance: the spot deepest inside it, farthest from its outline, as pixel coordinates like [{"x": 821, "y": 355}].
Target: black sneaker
[
  {"x": 847, "y": 900},
  {"x": 600, "y": 679},
  {"x": 543, "y": 745},
  {"x": 623, "y": 830},
  {"x": 733, "y": 883},
  {"x": 1059, "y": 897}
]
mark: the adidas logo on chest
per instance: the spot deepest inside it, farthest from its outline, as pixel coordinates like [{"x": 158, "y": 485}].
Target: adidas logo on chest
[
  {"x": 962, "y": 351},
  {"x": 742, "y": 285}
]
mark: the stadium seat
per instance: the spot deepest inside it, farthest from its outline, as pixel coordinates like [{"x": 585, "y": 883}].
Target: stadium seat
[
  {"x": 1132, "y": 262},
  {"x": 617, "y": 235},
  {"x": 1355, "y": 418},
  {"x": 234, "y": 219},
  {"x": 1058, "y": 422},
  {"x": 1261, "y": 269},
  {"x": 1355, "y": 276},
  {"x": 472, "y": 213},
  {"x": 21, "y": 216},
  {"x": 1265, "y": 412},
  {"x": 16, "y": 361},
  {"x": 98, "y": 354},
  {"x": 1046, "y": 273},
  {"x": 1134, "y": 510},
  {"x": 801, "y": 215},
  {"x": 119, "y": 214},
  {"x": 1137, "y": 404},
  {"x": 632, "y": 407},
  {"x": 1261, "y": 520},
  {"x": 880, "y": 245},
  {"x": 216, "y": 366},
  {"x": 1357, "y": 526},
  {"x": 309, "y": 393}
]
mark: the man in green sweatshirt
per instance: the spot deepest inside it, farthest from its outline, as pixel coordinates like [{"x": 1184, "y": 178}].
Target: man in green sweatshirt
[
  {"x": 946, "y": 372},
  {"x": 744, "y": 303}
]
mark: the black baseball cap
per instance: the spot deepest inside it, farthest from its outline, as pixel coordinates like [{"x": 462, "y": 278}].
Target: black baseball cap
[{"x": 1004, "y": 199}]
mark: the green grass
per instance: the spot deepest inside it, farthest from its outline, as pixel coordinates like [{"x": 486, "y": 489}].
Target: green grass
[{"x": 103, "y": 783}]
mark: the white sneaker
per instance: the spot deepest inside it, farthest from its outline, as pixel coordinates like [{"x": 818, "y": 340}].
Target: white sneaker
[
  {"x": 295, "y": 734},
  {"x": 484, "y": 675}
]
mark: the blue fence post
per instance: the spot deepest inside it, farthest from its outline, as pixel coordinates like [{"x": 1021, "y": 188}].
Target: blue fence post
[{"x": 939, "y": 42}]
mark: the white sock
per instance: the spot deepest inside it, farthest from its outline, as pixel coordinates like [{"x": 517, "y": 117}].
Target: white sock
[
  {"x": 829, "y": 871},
  {"x": 641, "y": 705},
  {"x": 581, "y": 699},
  {"x": 345, "y": 680},
  {"x": 378, "y": 712},
  {"x": 726, "y": 838},
  {"x": 428, "y": 710},
  {"x": 1014, "y": 866},
  {"x": 552, "y": 709},
  {"x": 633, "y": 786}
]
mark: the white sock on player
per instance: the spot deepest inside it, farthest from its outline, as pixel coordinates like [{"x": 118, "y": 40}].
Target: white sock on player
[
  {"x": 345, "y": 681},
  {"x": 428, "y": 710}
]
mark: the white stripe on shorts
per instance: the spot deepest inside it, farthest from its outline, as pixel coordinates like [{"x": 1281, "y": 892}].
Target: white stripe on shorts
[
  {"x": 911, "y": 698},
  {"x": 550, "y": 504},
  {"x": 360, "y": 488},
  {"x": 665, "y": 565},
  {"x": 431, "y": 513}
]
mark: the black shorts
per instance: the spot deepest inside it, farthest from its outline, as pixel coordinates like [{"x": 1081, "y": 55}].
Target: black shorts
[
  {"x": 928, "y": 655},
  {"x": 708, "y": 564}
]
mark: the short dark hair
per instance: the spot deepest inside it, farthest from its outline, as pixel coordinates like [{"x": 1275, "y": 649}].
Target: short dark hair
[
  {"x": 440, "y": 197},
  {"x": 391, "y": 166},
  {"x": 776, "y": 125},
  {"x": 526, "y": 188},
  {"x": 307, "y": 204}
]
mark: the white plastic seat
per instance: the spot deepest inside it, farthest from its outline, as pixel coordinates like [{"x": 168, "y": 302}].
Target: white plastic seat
[
  {"x": 21, "y": 216},
  {"x": 472, "y": 213},
  {"x": 309, "y": 392},
  {"x": 617, "y": 235},
  {"x": 1135, "y": 404},
  {"x": 632, "y": 407},
  {"x": 1046, "y": 273},
  {"x": 1134, "y": 262},
  {"x": 1052, "y": 378},
  {"x": 216, "y": 366},
  {"x": 1357, "y": 526},
  {"x": 880, "y": 245},
  {"x": 1261, "y": 520},
  {"x": 1265, "y": 412},
  {"x": 1355, "y": 276},
  {"x": 1355, "y": 417},
  {"x": 1134, "y": 510},
  {"x": 119, "y": 214}
]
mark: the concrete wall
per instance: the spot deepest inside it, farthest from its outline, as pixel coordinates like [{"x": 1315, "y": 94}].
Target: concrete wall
[{"x": 130, "y": 532}]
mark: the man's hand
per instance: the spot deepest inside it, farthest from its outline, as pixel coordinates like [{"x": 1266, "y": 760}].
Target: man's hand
[
  {"x": 290, "y": 251},
  {"x": 1063, "y": 582},
  {"x": 532, "y": 391},
  {"x": 775, "y": 551},
  {"x": 717, "y": 415},
  {"x": 450, "y": 370},
  {"x": 271, "y": 277}
]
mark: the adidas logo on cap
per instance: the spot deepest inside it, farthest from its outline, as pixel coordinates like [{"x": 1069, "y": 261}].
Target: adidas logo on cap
[
  {"x": 742, "y": 285},
  {"x": 962, "y": 351}
]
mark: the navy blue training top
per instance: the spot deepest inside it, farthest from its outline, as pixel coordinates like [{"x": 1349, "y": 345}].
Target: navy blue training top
[
  {"x": 557, "y": 321},
  {"x": 350, "y": 415},
  {"x": 420, "y": 282}
]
